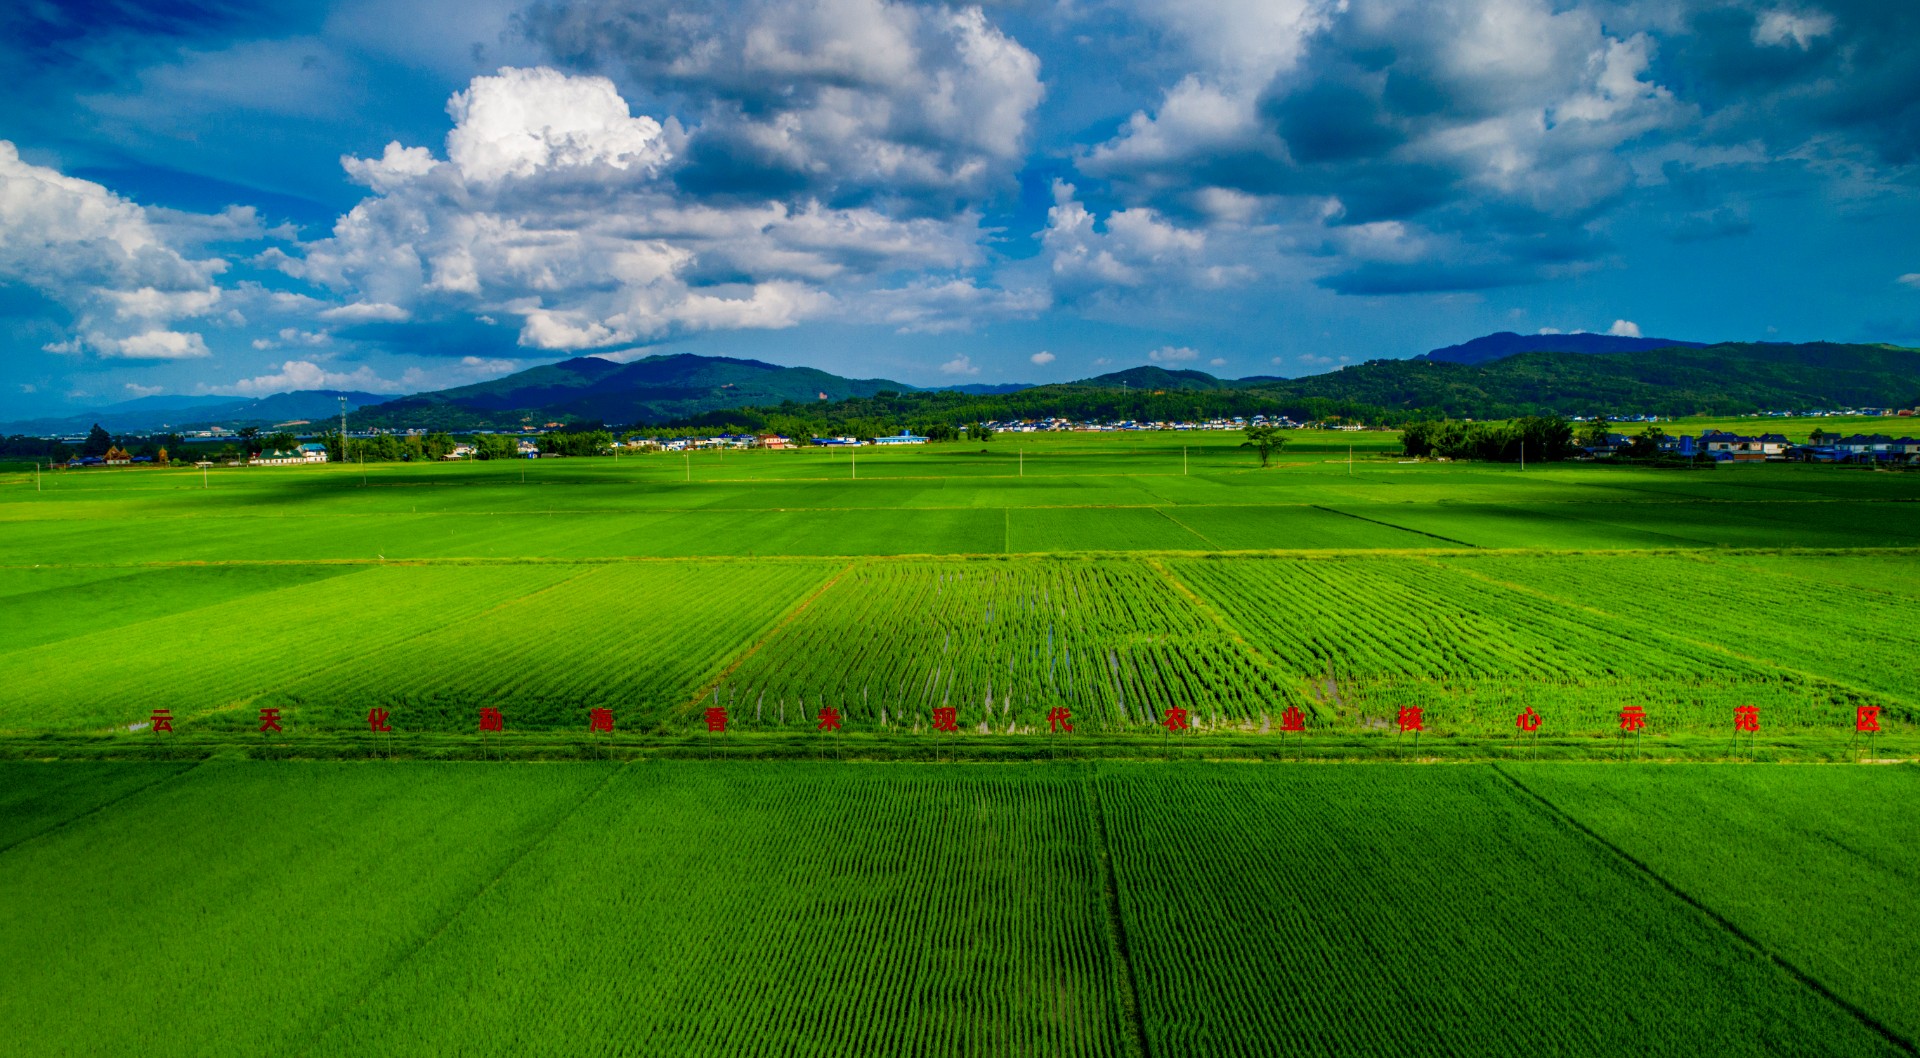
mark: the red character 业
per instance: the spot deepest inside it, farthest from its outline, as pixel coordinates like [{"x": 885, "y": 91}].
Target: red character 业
[{"x": 1292, "y": 719}]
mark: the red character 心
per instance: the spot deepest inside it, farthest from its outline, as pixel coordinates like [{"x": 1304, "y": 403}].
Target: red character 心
[
  {"x": 491, "y": 720},
  {"x": 716, "y": 718},
  {"x": 1293, "y": 719},
  {"x": 162, "y": 720},
  {"x": 600, "y": 720},
  {"x": 1746, "y": 718},
  {"x": 1412, "y": 718},
  {"x": 377, "y": 720},
  {"x": 829, "y": 719},
  {"x": 1057, "y": 719},
  {"x": 945, "y": 718},
  {"x": 1528, "y": 721},
  {"x": 269, "y": 720},
  {"x": 1175, "y": 718},
  {"x": 1633, "y": 718}
]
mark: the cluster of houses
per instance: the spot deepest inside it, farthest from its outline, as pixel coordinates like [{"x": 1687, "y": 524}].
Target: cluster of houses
[
  {"x": 306, "y": 453},
  {"x": 1726, "y": 447}
]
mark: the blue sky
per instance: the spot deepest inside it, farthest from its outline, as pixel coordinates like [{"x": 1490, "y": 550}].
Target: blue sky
[{"x": 218, "y": 197}]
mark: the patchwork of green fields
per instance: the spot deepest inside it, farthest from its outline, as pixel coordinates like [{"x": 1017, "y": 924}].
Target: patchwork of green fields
[{"x": 769, "y": 908}]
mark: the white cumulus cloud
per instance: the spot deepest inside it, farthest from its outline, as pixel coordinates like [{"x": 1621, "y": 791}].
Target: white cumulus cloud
[
  {"x": 1170, "y": 354},
  {"x": 1041, "y": 358},
  {"x": 959, "y": 365},
  {"x": 1624, "y": 329}
]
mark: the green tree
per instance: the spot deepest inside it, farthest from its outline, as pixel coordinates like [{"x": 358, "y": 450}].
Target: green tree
[
  {"x": 1595, "y": 434},
  {"x": 979, "y": 432},
  {"x": 250, "y": 440},
  {"x": 1265, "y": 439},
  {"x": 1646, "y": 443},
  {"x": 281, "y": 442},
  {"x": 97, "y": 443}
]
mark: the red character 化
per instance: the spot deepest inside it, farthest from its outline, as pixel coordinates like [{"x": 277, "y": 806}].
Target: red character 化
[{"x": 377, "y": 720}]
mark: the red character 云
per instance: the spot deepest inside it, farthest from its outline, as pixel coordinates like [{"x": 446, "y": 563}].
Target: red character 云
[{"x": 162, "y": 720}]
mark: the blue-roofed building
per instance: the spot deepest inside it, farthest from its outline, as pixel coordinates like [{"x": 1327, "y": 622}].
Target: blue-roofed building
[{"x": 904, "y": 437}]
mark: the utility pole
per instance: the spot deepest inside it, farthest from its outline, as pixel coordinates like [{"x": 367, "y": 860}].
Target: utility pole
[
  {"x": 1350, "y": 463},
  {"x": 343, "y": 429},
  {"x": 1023, "y": 462},
  {"x": 1183, "y": 461},
  {"x": 853, "y": 461},
  {"x": 689, "y": 458}
]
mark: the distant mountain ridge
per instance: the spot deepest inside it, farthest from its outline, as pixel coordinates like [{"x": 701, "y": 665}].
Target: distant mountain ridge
[
  {"x": 1502, "y": 344},
  {"x": 175, "y": 413}
]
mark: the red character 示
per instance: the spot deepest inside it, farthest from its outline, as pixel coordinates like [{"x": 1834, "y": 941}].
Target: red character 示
[
  {"x": 377, "y": 720},
  {"x": 1412, "y": 718},
  {"x": 1292, "y": 719},
  {"x": 1528, "y": 721},
  {"x": 269, "y": 720},
  {"x": 162, "y": 720},
  {"x": 1175, "y": 718},
  {"x": 716, "y": 718},
  {"x": 491, "y": 720},
  {"x": 829, "y": 719},
  {"x": 1746, "y": 718},
  {"x": 1057, "y": 719},
  {"x": 946, "y": 718},
  {"x": 600, "y": 720},
  {"x": 1633, "y": 718}
]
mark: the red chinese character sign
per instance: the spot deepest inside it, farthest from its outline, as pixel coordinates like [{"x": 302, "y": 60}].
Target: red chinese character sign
[
  {"x": 1059, "y": 719},
  {"x": 716, "y": 719},
  {"x": 1633, "y": 720},
  {"x": 829, "y": 719},
  {"x": 600, "y": 720},
  {"x": 377, "y": 721},
  {"x": 1174, "y": 718},
  {"x": 1292, "y": 719},
  {"x": 491, "y": 720},
  {"x": 946, "y": 719},
  {"x": 162, "y": 720},
  {"x": 1528, "y": 721},
  {"x": 1866, "y": 721},
  {"x": 270, "y": 721},
  {"x": 1413, "y": 718}
]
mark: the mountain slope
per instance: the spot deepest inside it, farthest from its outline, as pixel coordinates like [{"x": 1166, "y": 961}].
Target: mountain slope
[
  {"x": 1488, "y": 348},
  {"x": 161, "y": 413}
]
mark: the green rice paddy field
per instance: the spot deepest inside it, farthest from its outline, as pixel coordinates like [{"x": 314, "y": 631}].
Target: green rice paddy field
[{"x": 1002, "y": 888}]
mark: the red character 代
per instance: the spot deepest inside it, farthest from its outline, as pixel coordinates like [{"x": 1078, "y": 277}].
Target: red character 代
[
  {"x": 1746, "y": 718},
  {"x": 269, "y": 720},
  {"x": 1866, "y": 720},
  {"x": 377, "y": 720},
  {"x": 716, "y": 718},
  {"x": 946, "y": 718},
  {"x": 1412, "y": 718},
  {"x": 829, "y": 719},
  {"x": 600, "y": 720},
  {"x": 1293, "y": 719},
  {"x": 1175, "y": 718},
  {"x": 1633, "y": 718},
  {"x": 491, "y": 720},
  {"x": 1528, "y": 721},
  {"x": 162, "y": 720},
  {"x": 1057, "y": 720}
]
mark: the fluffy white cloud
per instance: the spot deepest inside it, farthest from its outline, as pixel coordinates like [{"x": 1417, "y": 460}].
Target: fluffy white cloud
[
  {"x": 1218, "y": 361},
  {"x": 1624, "y": 329},
  {"x": 102, "y": 258},
  {"x": 959, "y": 365},
  {"x": 1169, "y": 354},
  {"x": 305, "y": 374},
  {"x": 554, "y": 207},
  {"x": 1041, "y": 358},
  {"x": 1911, "y": 279},
  {"x": 1782, "y": 27}
]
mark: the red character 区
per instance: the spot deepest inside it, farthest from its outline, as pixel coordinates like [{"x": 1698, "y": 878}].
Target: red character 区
[{"x": 1866, "y": 719}]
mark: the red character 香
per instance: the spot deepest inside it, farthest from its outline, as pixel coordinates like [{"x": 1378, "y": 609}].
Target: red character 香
[{"x": 716, "y": 718}]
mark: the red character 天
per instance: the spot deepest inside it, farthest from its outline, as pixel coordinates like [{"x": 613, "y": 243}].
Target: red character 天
[
  {"x": 829, "y": 719},
  {"x": 1057, "y": 719},
  {"x": 1528, "y": 721},
  {"x": 162, "y": 720},
  {"x": 1293, "y": 719},
  {"x": 600, "y": 720},
  {"x": 1866, "y": 719},
  {"x": 377, "y": 720},
  {"x": 716, "y": 718},
  {"x": 1175, "y": 718},
  {"x": 1746, "y": 718},
  {"x": 1633, "y": 718},
  {"x": 1412, "y": 718},
  {"x": 269, "y": 720},
  {"x": 946, "y": 718},
  {"x": 491, "y": 720}
]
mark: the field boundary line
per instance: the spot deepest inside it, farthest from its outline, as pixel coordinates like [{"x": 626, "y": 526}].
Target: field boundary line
[
  {"x": 1162, "y": 511},
  {"x": 1390, "y": 525},
  {"x": 1220, "y": 621},
  {"x": 1565, "y": 818},
  {"x": 102, "y": 806},
  {"x": 460, "y": 910},
  {"x": 785, "y": 619},
  {"x": 1127, "y": 988}
]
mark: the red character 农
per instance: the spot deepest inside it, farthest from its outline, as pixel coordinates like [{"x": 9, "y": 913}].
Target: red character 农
[
  {"x": 1746, "y": 718},
  {"x": 946, "y": 718},
  {"x": 162, "y": 720},
  {"x": 716, "y": 718},
  {"x": 1412, "y": 718},
  {"x": 1633, "y": 718},
  {"x": 491, "y": 720},
  {"x": 1175, "y": 718},
  {"x": 829, "y": 719},
  {"x": 1058, "y": 720},
  {"x": 600, "y": 720},
  {"x": 269, "y": 720},
  {"x": 377, "y": 721},
  {"x": 1528, "y": 721},
  {"x": 1866, "y": 720},
  {"x": 1293, "y": 719}
]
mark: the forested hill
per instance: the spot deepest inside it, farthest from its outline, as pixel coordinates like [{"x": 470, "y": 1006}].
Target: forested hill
[
  {"x": 691, "y": 390},
  {"x": 1725, "y": 379}
]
